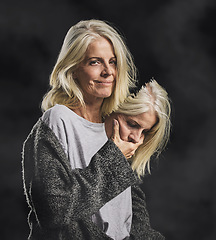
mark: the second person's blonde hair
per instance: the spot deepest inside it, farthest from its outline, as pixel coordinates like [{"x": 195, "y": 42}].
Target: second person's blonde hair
[{"x": 150, "y": 96}]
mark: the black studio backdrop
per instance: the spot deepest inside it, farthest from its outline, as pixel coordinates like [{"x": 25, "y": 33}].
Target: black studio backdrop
[{"x": 172, "y": 41}]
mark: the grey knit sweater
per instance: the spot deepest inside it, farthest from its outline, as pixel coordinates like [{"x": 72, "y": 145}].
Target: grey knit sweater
[{"x": 62, "y": 200}]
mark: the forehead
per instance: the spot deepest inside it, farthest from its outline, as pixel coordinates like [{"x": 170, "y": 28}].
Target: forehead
[
  {"x": 145, "y": 120},
  {"x": 100, "y": 46}
]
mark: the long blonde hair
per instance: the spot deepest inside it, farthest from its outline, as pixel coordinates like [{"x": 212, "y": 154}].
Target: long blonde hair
[
  {"x": 64, "y": 90},
  {"x": 156, "y": 97}
]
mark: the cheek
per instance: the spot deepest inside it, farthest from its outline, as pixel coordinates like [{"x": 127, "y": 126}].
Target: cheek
[
  {"x": 86, "y": 74},
  {"x": 124, "y": 132}
]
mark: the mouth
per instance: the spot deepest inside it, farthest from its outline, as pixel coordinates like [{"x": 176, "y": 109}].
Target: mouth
[{"x": 104, "y": 82}]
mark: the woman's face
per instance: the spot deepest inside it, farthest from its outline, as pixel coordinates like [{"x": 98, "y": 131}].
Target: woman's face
[
  {"x": 133, "y": 128},
  {"x": 96, "y": 74}
]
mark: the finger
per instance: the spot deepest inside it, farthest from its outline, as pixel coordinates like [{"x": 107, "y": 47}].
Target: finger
[
  {"x": 115, "y": 129},
  {"x": 132, "y": 153},
  {"x": 129, "y": 156}
]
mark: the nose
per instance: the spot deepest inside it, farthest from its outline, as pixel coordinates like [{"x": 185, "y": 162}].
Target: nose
[
  {"x": 135, "y": 136},
  {"x": 107, "y": 71}
]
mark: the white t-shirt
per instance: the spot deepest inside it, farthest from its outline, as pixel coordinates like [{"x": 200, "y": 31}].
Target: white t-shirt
[{"x": 80, "y": 140}]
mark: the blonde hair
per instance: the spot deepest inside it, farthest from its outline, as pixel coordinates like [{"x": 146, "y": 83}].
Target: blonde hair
[
  {"x": 152, "y": 96},
  {"x": 64, "y": 90}
]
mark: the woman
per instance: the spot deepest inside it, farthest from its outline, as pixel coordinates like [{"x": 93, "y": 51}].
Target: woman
[
  {"x": 144, "y": 115},
  {"x": 74, "y": 176}
]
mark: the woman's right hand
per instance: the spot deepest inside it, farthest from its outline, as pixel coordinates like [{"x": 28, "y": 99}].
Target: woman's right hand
[{"x": 127, "y": 148}]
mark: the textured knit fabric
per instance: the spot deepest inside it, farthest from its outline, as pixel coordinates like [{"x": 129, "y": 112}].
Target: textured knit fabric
[
  {"x": 81, "y": 139},
  {"x": 62, "y": 200}
]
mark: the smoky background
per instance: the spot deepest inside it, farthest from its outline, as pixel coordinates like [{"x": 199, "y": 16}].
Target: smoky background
[{"x": 172, "y": 41}]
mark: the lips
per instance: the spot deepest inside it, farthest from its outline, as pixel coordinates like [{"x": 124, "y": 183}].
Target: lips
[{"x": 103, "y": 82}]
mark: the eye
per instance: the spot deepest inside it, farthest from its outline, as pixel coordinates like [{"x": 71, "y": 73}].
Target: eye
[
  {"x": 131, "y": 124},
  {"x": 94, "y": 62},
  {"x": 113, "y": 62}
]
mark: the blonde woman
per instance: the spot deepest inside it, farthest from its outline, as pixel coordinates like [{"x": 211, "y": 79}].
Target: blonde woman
[
  {"x": 70, "y": 168},
  {"x": 143, "y": 115},
  {"x": 78, "y": 182}
]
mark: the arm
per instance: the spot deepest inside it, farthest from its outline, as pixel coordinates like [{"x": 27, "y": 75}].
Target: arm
[
  {"x": 61, "y": 195},
  {"x": 141, "y": 228}
]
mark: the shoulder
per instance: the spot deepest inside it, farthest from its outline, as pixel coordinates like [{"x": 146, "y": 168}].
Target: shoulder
[
  {"x": 57, "y": 111},
  {"x": 56, "y": 115}
]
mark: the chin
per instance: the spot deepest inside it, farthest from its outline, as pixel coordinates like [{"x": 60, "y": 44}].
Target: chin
[{"x": 104, "y": 94}]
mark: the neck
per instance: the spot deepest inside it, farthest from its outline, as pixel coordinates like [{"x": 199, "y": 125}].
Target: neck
[{"x": 90, "y": 112}]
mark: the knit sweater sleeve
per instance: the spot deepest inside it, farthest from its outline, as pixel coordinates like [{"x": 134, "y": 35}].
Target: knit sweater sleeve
[
  {"x": 58, "y": 195},
  {"x": 141, "y": 228}
]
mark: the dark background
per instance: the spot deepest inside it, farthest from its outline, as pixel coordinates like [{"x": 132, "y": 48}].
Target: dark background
[{"x": 171, "y": 40}]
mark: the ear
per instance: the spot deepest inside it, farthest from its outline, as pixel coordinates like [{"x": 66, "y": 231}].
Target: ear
[{"x": 74, "y": 74}]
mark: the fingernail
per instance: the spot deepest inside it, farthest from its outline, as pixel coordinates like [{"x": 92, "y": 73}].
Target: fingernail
[{"x": 115, "y": 122}]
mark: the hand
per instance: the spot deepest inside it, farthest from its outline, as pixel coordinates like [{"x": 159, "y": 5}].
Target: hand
[{"x": 127, "y": 148}]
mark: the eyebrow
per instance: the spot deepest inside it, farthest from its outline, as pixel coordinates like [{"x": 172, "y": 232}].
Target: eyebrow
[
  {"x": 99, "y": 58},
  {"x": 138, "y": 125},
  {"x": 135, "y": 123}
]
